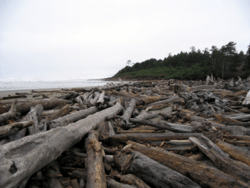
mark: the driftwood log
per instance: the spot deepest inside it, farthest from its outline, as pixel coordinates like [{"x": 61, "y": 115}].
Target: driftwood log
[
  {"x": 221, "y": 159},
  {"x": 236, "y": 152},
  {"x": 13, "y": 128},
  {"x": 149, "y": 137},
  {"x": 203, "y": 174},
  {"x": 20, "y": 159},
  {"x": 12, "y": 113},
  {"x": 65, "y": 120},
  {"x": 95, "y": 170},
  {"x": 164, "y": 125},
  {"x": 154, "y": 173}
]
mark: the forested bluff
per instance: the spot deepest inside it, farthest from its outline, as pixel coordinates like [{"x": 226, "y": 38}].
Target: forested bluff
[{"x": 224, "y": 62}]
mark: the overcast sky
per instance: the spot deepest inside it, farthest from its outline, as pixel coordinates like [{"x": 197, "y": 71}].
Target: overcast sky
[{"x": 74, "y": 39}]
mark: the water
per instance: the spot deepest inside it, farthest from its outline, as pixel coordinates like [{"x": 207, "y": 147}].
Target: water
[{"x": 6, "y": 85}]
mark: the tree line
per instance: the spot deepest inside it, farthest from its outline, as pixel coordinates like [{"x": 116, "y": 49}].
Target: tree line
[{"x": 223, "y": 62}]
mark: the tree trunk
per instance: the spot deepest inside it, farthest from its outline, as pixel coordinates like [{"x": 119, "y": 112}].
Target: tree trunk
[
  {"x": 13, "y": 128},
  {"x": 95, "y": 170},
  {"x": 238, "y": 153},
  {"x": 132, "y": 179},
  {"x": 12, "y": 113},
  {"x": 115, "y": 184},
  {"x": 128, "y": 112},
  {"x": 164, "y": 125},
  {"x": 154, "y": 173},
  {"x": 148, "y": 137},
  {"x": 222, "y": 159},
  {"x": 65, "y": 120},
  {"x": 31, "y": 153},
  {"x": 201, "y": 173},
  {"x": 64, "y": 111}
]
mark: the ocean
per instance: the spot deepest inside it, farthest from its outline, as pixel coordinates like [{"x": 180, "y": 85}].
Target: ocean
[{"x": 6, "y": 85}]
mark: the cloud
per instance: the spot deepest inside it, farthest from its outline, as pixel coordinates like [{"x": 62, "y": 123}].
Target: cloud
[{"x": 53, "y": 38}]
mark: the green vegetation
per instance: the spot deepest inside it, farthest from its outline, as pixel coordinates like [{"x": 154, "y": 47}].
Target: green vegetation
[{"x": 224, "y": 63}]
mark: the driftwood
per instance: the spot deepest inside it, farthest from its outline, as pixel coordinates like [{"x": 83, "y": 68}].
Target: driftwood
[
  {"x": 146, "y": 115},
  {"x": 64, "y": 111},
  {"x": 24, "y": 106},
  {"x": 53, "y": 171},
  {"x": 163, "y": 102},
  {"x": 12, "y": 113},
  {"x": 96, "y": 174},
  {"x": 221, "y": 159},
  {"x": 148, "y": 137},
  {"x": 201, "y": 173},
  {"x": 128, "y": 112},
  {"x": 238, "y": 153},
  {"x": 115, "y": 184},
  {"x": 154, "y": 173},
  {"x": 13, "y": 128},
  {"x": 65, "y": 120},
  {"x": 29, "y": 154},
  {"x": 133, "y": 180},
  {"x": 33, "y": 115},
  {"x": 15, "y": 97},
  {"x": 101, "y": 100},
  {"x": 164, "y": 125}
]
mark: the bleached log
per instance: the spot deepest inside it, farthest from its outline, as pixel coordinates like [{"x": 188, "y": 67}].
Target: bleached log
[
  {"x": 13, "y": 128},
  {"x": 148, "y": 137},
  {"x": 128, "y": 112},
  {"x": 65, "y": 120},
  {"x": 164, "y": 125},
  {"x": 33, "y": 115},
  {"x": 115, "y": 184},
  {"x": 64, "y": 111},
  {"x": 101, "y": 100},
  {"x": 31, "y": 153},
  {"x": 12, "y": 113}
]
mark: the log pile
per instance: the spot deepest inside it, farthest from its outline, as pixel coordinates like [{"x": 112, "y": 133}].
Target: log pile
[{"x": 165, "y": 133}]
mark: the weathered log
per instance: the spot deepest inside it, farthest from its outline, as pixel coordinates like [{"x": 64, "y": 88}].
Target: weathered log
[
  {"x": 33, "y": 115},
  {"x": 94, "y": 100},
  {"x": 204, "y": 175},
  {"x": 164, "y": 125},
  {"x": 238, "y": 153},
  {"x": 128, "y": 112},
  {"x": 154, "y": 173},
  {"x": 146, "y": 115},
  {"x": 64, "y": 111},
  {"x": 65, "y": 120},
  {"x": 96, "y": 174},
  {"x": 147, "y": 137},
  {"x": 29, "y": 154},
  {"x": 101, "y": 100},
  {"x": 237, "y": 140},
  {"x": 198, "y": 88},
  {"x": 115, "y": 184},
  {"x": 12, "y": 113},
  {"x": 24, "y": 106},
  {"x": 13, "y": 128},
  {"x": 15, "y": 97},
  {"x": 49, "y": 112},
  {"x": 133, "y": 180},
  {"x": 222, "y": 159},
  {"x": 167, "y": 101},
  {"x": 106, "y": 129},
  {"x": 246, "y": 101}
]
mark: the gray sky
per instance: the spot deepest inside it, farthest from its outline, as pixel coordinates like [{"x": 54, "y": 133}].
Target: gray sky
[{"x": 70, "y": 39}]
